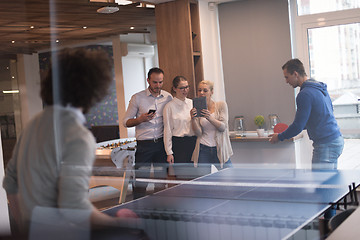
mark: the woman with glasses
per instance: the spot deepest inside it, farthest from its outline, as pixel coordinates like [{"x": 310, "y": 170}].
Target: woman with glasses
[
  {"x": 213, "y": 144},
  {"x": 179, "y": 138}
]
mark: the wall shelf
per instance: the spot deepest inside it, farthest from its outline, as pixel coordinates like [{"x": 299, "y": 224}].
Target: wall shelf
[{"x": 179, "y": 42}]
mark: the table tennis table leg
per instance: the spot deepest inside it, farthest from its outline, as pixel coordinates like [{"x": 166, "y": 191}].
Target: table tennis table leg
[{"x": 124, "y": 187}]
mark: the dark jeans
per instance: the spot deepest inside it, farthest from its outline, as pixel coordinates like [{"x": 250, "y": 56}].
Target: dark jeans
[
  {"x": 183, "y": 148},
  {"x": 208, "y": 156},
  {"x": 149, "y": 152}
]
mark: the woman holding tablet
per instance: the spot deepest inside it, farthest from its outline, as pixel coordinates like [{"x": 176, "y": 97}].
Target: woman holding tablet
[{"x": 213, "y": 144}]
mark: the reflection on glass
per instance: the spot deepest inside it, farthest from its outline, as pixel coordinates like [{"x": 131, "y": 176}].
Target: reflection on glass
[{"x": 306, "y": 7}]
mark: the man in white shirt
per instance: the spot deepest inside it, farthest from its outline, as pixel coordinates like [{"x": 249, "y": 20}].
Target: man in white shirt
[{"x": 145, "y": 113}]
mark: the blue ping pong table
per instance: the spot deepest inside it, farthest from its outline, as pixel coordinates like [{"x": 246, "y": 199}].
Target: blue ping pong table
[{"x": 241, "y": 203}]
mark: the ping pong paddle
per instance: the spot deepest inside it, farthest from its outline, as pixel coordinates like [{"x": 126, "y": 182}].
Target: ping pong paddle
[
  {"x": 126, "y": 213},
  {"x": 280, "y": 127}
]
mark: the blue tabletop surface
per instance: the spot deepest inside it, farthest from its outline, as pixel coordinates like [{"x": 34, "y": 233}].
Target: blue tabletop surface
[{"x": 241, "y": 204}]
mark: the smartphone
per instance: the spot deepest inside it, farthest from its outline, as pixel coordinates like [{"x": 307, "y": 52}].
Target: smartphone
[{"x": 151, "y": 111}]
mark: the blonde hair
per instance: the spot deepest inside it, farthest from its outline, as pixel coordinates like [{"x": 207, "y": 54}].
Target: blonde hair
[{"x": 209, "y": 83}]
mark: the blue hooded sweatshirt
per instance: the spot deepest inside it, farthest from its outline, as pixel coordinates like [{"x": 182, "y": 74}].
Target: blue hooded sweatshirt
[{"x": 314, "y": 113}]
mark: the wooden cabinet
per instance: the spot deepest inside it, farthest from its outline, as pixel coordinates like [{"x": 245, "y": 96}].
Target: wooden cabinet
[{"x": 179, "y": 42}]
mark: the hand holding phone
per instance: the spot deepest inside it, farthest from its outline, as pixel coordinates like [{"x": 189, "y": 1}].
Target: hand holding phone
[{"x": 151, "y": 111}]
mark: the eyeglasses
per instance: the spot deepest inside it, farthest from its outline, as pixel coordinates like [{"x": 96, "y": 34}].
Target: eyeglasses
[{"x": 183, "y": 88}]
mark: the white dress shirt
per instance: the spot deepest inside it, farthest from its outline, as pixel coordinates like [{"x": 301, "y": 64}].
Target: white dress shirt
[
  {"x": 177, "y": 121},
  {"x": 140, "y": 103}
]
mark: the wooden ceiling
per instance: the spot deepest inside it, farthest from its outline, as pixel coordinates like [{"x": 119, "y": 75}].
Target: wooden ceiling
[{"x": 27, "y": 26}]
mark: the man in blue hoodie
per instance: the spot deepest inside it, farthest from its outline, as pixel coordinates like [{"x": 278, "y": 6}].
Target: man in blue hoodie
[{"x": 315, "y": 114}]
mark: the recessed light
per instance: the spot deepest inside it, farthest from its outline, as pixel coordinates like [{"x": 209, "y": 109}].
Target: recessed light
[
  {"x": 84, "y": 27},
  {"x": 12, "y": 41},
  {"x": 32, "y": 27},
  {"x": 57, "y": 40},
  {"x": 123, "y": 2},
  {"x": 10, "y": 91},
  {"x": 12, "y": 77},
  {"x": 132, "y": 28}
]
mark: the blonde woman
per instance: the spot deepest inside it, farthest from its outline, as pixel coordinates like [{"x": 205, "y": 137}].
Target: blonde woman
[{"x": 213, "y": 143}]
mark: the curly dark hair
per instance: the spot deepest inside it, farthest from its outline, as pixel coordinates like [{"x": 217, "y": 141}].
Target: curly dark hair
[{"x": 77, "y": 77}]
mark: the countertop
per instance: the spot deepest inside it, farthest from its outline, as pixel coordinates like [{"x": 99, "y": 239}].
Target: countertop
[{"x": 251, "y": 136}]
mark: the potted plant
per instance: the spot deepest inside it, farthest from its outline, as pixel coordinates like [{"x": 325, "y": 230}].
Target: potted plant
[{"x": 259, "y": 122}]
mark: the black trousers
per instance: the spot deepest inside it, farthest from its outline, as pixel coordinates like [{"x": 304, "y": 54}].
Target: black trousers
[
  {"x": 183, "y": 148},
  {"x": 149, "y": 152}
]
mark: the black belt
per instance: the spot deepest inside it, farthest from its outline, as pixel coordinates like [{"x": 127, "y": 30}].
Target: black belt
[
  {"x": 184, "y": 137},
  {"x": 155, "y": 140}
]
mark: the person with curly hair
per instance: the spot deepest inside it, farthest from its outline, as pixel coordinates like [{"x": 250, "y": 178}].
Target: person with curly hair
[{"x": 53, "y": 157}]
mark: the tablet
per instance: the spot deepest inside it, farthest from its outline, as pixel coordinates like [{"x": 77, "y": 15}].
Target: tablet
[{"x": 200, "y": 104}]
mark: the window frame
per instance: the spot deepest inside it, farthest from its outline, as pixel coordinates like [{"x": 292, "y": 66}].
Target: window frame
[{"x": 299, "y": 26}]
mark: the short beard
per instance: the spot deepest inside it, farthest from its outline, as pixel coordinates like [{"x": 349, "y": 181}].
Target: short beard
[{"x": 153, "y": 91}]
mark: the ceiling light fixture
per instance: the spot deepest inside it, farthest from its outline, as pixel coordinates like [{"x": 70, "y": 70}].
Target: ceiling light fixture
[
  {"x": 10, "y": 91},
  {"x": 32, "y": 27},
  {"x": 132, "y": 28},
  {"x": 57, "y": 40},
  {"x": 107, "y": 10},
  {"x": 84, "y": 27},
  {"x": 12, "y": 41},
  {"x": 123, "y": 2}
]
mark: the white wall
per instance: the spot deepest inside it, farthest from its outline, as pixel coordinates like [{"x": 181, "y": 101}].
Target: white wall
[
  {"x": 134, "y": 81},
  {"x": 255, "y": 43},
  {"x": 29, "y": 86},
  {"x": 4, "y": 216},
  {"x": 211, "y": 49}
]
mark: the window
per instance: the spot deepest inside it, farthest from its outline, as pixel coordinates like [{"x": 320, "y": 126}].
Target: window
[
  {"x": 333, "y": 53},
  {"x": 325, "y": 36},
  {"x": 335, "y": 59},
  {"x": 305, "y": 7}
]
